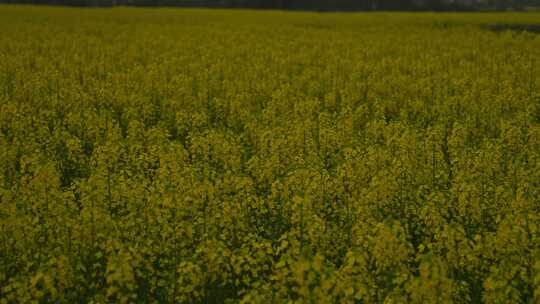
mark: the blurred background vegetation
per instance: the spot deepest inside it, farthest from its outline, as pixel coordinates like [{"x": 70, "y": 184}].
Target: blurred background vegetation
[{"x": 319, "y": 5}]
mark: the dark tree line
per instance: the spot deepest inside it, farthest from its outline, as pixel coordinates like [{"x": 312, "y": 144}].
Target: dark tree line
[{"x": 321, "y": 5}]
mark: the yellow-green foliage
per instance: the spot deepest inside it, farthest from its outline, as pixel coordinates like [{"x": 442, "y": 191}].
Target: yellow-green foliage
[{"x": 196, "y": 156}]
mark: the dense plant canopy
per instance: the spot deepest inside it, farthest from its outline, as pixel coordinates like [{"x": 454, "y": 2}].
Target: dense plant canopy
[{"x": 194, "y": 156}]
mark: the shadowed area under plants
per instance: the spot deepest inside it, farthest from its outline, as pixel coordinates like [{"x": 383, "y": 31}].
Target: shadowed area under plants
[{"x": 530, "y": 28}]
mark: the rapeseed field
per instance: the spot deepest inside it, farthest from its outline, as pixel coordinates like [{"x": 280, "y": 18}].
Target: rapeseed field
[{"x": 237, "y": 156}]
